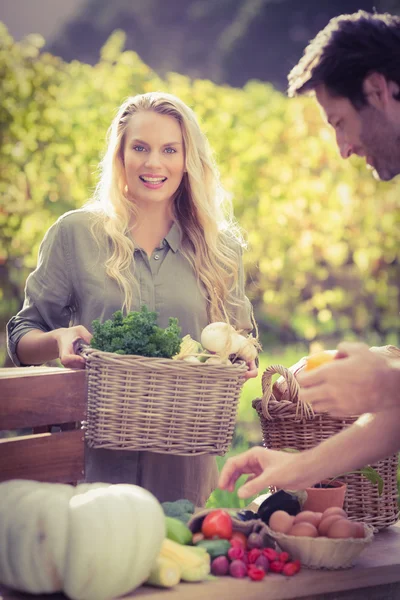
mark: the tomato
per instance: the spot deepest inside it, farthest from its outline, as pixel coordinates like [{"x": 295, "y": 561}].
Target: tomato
[
  {"x": 217, "y": 523},
  {"x": 240, "y": 537}
]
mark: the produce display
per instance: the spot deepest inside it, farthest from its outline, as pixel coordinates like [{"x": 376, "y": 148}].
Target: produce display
[
  {"x": 92, "y": 541},
  {"x": 229, "y": 551},
  {"x": 53, "y": 535}
]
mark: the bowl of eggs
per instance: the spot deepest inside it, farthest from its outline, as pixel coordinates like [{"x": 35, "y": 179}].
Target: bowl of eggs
[{"x": 327, "y": 540}]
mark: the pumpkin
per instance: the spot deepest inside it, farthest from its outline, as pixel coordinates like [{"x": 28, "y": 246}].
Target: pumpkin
[{"x": 93, "y": 541}]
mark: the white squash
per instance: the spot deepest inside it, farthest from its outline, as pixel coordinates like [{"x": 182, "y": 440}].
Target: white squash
[{"x": 93, "y": 541}]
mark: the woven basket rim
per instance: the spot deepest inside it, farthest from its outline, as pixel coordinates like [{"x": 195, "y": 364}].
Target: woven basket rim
[
  {"x": 370, "y": 531},
  {"x": 94, "y": 353}
]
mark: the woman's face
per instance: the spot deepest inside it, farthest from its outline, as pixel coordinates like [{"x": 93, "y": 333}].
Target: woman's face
[{"x": 154, "y": 158}]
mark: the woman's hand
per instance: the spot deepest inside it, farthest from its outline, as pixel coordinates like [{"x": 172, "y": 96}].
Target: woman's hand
[
  {"x": 266, "y": 468},
  {"x": 65, "y": 340},
  {"x": 252, "y": 370}
]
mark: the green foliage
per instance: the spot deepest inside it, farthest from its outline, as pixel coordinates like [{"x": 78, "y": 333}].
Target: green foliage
[
  {"x": 323, "y": 256},
  {"x": 137, "y": 333}
]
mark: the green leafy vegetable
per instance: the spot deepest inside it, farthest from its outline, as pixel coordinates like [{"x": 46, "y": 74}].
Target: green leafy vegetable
[
  {"x": 137, "y": 333},
  {"x": 179, "y": 509}
]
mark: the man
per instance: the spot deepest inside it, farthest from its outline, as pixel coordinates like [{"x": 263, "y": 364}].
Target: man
[{"x": 353, "y": 68}]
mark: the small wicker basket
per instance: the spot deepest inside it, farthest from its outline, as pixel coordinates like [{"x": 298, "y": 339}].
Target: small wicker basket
[
  {"x": 159, "y": 404},
  {"x": 323, "y": 552},
  {"x": 288, "y": 423}
]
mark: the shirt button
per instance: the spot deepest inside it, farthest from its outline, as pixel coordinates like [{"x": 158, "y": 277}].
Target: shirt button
[{"x": 156, "y": 256}]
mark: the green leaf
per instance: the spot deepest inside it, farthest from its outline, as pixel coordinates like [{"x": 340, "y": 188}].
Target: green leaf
[{"x": 374, "y": 477}]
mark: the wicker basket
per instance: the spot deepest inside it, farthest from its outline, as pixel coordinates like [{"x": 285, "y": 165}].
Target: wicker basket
[
  {"x": 160, "y": 405},
  {"x": 323, "y": 552},
  {"x": 288, "y": 423}
]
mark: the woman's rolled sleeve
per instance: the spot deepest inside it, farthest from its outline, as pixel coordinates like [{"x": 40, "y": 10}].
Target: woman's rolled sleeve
[{"x": 48, "y": 292}]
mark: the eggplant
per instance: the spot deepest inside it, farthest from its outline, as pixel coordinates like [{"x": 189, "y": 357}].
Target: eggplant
[
  {"x": 246, "y": 515},
  {"x": 280, "y": 500}
]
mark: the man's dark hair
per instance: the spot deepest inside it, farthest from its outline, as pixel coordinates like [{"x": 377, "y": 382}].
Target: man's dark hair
[{"x": 345, "y": 52}]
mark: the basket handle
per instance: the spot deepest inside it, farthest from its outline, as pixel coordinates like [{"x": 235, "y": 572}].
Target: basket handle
[
  {"x": 79, "y": 346},
  {"x": 303, "y": 409}
]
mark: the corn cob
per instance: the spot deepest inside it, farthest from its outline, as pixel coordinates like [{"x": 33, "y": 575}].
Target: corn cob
[
  {"x": 194, "y": 565},
  {"x": 165, "y": 573}
]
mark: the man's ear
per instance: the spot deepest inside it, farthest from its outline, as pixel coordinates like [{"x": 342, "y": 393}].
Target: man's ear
[{"x": 377, "y": 90}]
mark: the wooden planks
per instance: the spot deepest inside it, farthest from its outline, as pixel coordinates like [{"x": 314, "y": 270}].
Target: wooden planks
[
  {"x": 55, "y": 457},
  {"x": 34, "y": 396}
]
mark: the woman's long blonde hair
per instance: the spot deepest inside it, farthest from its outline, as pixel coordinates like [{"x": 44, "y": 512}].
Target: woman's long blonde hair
[{"x": 202, "y": 211}]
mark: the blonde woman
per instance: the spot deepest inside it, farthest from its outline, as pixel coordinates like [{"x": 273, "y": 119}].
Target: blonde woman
[{"x": 159, "y": 233}]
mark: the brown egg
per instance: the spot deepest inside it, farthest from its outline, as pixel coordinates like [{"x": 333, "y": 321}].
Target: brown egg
[
  {"x": 308, "y": 516},
  {"x": 342, "y": 528},
  {"x": 326, "y": 523},
  {"x": 334, "y": 510},
  {"x": 359, "y": 531},
  {"x": 319, "y": 515},
  {"x": 304, "y": 529},
  {"x": 281, "y": 521}
]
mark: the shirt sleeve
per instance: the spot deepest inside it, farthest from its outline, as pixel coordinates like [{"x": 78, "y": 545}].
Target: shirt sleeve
[{"x": 48, "y": 292}]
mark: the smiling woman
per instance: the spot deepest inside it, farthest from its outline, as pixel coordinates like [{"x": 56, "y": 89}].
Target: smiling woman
[{"x": 156, "y": 233}]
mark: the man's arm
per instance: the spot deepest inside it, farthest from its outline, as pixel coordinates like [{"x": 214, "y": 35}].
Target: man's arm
[{"x": 371, "y": 438}]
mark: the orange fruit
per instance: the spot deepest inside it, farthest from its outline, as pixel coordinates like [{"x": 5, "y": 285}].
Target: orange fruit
[{"x": 318, "y": 359}]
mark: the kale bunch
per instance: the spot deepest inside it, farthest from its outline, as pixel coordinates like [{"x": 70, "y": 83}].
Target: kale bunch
[{"x": 137, "y": 333}]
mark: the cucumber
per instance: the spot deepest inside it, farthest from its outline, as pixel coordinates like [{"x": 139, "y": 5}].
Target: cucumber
[
  {"x": 177, "y": 531},
  {"x": 215, "y": 547}
]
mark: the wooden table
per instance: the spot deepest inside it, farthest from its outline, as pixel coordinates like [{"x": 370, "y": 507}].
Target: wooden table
[{"x": 375, "y": 576}]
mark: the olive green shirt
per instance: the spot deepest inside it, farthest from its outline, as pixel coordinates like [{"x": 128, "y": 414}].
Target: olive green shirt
[{"x": 70, "y": 287}]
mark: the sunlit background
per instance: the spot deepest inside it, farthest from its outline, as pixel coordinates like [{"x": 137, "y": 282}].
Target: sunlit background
[{"x": 323, "y": 236}]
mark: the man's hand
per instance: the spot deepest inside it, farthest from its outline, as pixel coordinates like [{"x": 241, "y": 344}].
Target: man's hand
[
  {"x": 356, "y": 382},
  {"x": 65, "y": 340},
  {"x": 266, "y": 468}
]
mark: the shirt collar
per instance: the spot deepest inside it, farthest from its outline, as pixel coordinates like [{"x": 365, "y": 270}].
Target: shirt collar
[{"x": 174, "y": 237}]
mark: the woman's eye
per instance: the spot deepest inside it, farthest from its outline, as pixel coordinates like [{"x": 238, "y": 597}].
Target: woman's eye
[
  {"x": 170, "y": 150},
  {"x": 139, "y": 148}
]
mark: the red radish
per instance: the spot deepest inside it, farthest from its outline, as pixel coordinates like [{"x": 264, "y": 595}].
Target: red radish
[
  {"x": 276, "y": 566},
  {"x": 254, "y": 541},
  {"x": 238, "y": 569},
  {"x": 262, "y": 562},
  {"x": 220, "y": 566}
]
